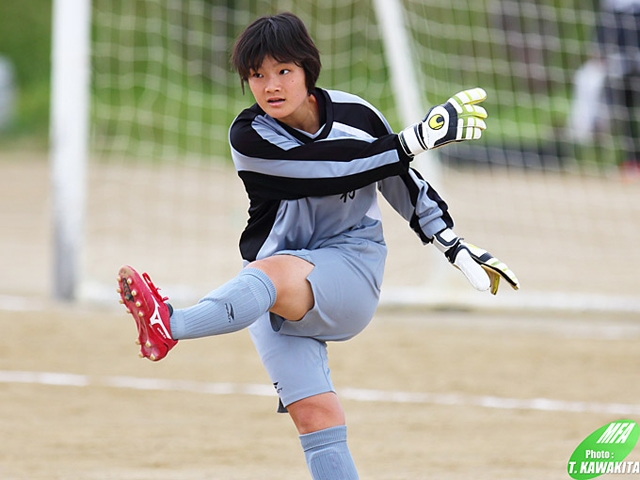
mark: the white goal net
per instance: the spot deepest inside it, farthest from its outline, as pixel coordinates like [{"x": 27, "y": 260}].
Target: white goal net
[{"x": 542, "y": 189}]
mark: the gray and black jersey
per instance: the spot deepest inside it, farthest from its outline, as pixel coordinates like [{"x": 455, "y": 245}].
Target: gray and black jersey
[{"x": 307, "y": 190}]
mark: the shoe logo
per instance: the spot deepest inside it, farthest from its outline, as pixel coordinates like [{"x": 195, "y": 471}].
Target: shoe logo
[
  {"x": 230, "y": 313},
  {"x": 156, "y": 319}
]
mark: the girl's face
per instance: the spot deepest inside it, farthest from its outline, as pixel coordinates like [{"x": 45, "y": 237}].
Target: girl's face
[{"x": 281, "y": 91}]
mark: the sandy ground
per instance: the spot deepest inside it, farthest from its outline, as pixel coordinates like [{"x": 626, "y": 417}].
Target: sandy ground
[
  {"x": 119, "y": 417},
  {"x": 429, "y": 393}
]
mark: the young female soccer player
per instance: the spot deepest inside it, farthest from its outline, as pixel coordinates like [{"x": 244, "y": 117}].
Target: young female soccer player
[{"x": 312, "y": 162}]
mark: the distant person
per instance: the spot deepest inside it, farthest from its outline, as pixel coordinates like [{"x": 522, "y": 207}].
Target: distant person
[
  {"x": 7, "y": 93},
  {"x": 618, "y": 46}
]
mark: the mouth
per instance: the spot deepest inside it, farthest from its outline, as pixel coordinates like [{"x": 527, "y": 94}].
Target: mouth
[{"x": 275, "y": 101}]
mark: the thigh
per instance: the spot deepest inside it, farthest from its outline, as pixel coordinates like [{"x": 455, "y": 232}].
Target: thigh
[
  {"x": 345, "y": 281},
  {"x": 297, "y": 366}
]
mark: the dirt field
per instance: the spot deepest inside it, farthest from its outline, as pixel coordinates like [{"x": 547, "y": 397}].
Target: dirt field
[
  {"x": 444, "y": 394},
  {"x": 102, "y": 413}
]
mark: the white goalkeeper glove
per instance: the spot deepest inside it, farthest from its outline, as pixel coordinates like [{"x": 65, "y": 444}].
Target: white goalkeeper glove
[
  {"x": 481, "y": 268},
  {"x": 458, "y": 119}
]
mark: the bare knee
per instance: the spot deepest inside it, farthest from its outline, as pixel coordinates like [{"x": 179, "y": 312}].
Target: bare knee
[
  {"x": 294, "y": 297},
  {"x": 316, "y": 413}
]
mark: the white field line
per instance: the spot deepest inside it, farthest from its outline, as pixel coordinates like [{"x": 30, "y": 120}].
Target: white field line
[
  {"x": 394, "y": 297},
  {"x": 356, "y": 394}
]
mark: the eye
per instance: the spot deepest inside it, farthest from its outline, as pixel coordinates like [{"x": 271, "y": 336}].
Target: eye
[
  {"x": 256, "y": 75},
  {"x": 284, "y": 71}
]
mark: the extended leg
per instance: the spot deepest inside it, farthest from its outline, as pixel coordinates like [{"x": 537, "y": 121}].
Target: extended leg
[{"x": 233, "y": 306}]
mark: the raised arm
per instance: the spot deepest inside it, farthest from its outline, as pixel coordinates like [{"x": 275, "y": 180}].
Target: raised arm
[{"x": 458, "y": 119}]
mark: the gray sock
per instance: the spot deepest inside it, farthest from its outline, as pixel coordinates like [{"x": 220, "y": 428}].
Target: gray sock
[
  {"x": 328, "y": 455},
  {"x": 231, "y": 307}
]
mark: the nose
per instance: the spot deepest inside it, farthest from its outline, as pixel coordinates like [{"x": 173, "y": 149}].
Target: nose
[{"x": 273, "y": 84}]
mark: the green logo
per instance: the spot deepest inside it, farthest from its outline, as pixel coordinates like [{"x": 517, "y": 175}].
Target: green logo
[{"x": 604, "y": 451}]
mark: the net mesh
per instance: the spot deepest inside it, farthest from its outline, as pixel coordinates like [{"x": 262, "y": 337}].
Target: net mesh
[{"x": 543, "y": 189}]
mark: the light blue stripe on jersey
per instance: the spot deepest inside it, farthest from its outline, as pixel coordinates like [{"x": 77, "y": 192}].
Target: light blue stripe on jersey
[
  {"x": 273, "y": 133},
  {"x": 342, "y": 130},
  {"x": 313, "y": 169}
]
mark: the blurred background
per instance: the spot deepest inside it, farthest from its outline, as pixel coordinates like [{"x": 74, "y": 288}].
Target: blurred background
[
  {"x": 25, "y": 51},
  {"x": 531, "y": 53},
  {"x": 552, "y": 188}
]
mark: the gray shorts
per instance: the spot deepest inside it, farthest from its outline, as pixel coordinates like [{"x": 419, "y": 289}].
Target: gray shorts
[{"x": 346, "y": 282}]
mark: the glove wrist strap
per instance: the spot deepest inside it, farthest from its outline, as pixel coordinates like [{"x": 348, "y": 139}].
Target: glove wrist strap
[
  {"x": 411, "y": 140},
  {"x": 446, "y": 241}
]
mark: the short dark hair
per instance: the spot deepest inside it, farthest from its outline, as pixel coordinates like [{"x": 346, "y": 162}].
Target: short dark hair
[{"x": 285, "y": 38}]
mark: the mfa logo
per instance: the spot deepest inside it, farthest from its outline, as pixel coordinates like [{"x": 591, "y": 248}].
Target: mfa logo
[{"x": 604, "y": 451}]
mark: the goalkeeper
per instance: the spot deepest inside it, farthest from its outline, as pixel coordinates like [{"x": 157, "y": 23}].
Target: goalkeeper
[{"x": 312, "y": 162}]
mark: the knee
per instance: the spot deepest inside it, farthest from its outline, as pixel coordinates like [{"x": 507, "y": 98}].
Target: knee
[
  {"x": 316, "y": 413},
  {"x": 294, "y": 296}
]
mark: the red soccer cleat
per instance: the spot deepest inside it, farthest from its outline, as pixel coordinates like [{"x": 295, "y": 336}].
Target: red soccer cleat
[{"x": 142, "y": 300}]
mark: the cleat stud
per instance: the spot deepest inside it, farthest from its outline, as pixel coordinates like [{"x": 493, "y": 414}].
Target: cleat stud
[
  {"x": 134, "y": 293},
  {"x": 141, "y": 355},
  {"x": 140, "y": 314},
  {"x": 152, "y": 357},
  {"x": 138, "y": 304},
  {"x": 129, "y": 281},
  {"x": 137, "y": 342},
  {"x": 148, "y": 344},
  {"x": 128, "y": 311},
  {"x": 119, "y": 290},
  {"x": 121, "y": 302}
]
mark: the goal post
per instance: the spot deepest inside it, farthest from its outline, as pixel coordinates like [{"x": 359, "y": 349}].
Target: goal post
[
  {"x": 411, "y": 103},
  {"x": 70, "y": 83},
  {"x": 411, "y": 106}
]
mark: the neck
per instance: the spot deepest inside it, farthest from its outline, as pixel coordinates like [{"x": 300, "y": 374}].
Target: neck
[{"x": 309, "y": 120}]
